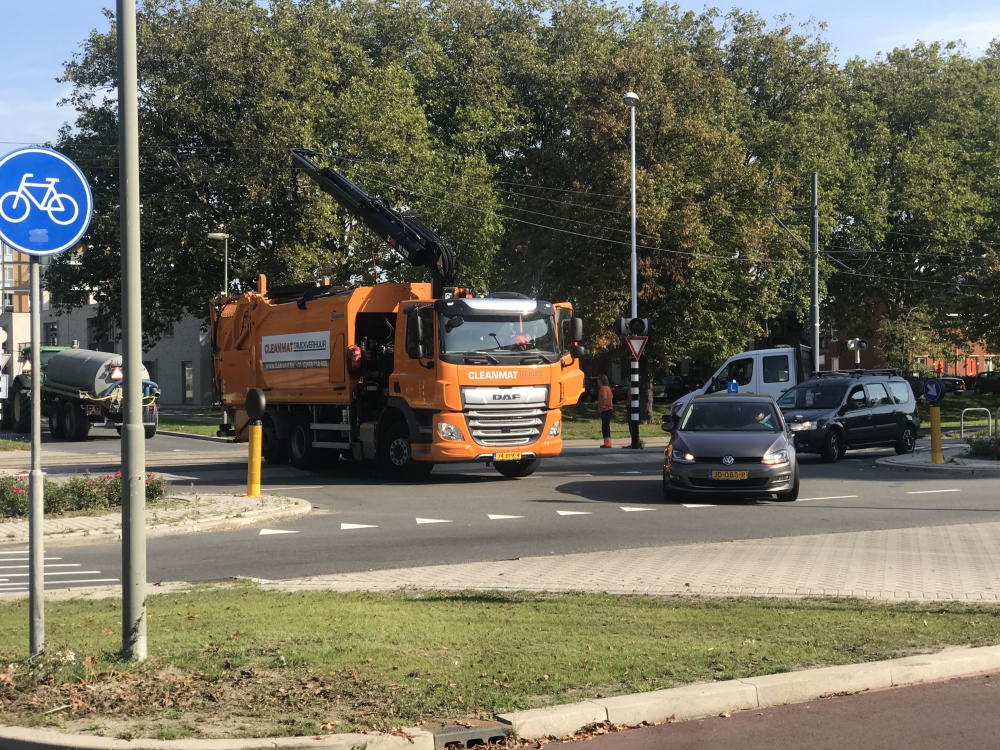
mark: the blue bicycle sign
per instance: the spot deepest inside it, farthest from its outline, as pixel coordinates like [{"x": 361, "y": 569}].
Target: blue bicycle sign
[{"x": 45, "y": 201}]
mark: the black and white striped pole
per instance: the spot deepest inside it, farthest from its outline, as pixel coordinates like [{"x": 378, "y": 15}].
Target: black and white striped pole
[{"x": 632, "y": 100}]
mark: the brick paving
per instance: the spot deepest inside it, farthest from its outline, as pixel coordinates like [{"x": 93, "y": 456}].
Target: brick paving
[{"x": 959, "y": 562}]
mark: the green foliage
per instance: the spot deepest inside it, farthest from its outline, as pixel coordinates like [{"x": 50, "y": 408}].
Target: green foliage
[
  {"x": 81, "y": 493},
  {"x": 986, "y": 447},
  {"x": 908, "y": 334}
]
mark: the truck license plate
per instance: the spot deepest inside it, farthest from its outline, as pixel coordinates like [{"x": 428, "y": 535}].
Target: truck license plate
[
  {"x": 728, "y": 475},
  {"x": 507, "y": 456}
]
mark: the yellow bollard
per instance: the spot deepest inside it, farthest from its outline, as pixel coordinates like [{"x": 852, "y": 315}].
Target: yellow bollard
[
  {"x": 253, "y": 467},
  {"x": 936, "y": 456}
]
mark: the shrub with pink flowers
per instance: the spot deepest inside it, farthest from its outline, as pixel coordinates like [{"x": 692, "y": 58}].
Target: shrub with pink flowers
[
  {"x": 984, "y": 448},
  {"x": 83, "y": 492}
]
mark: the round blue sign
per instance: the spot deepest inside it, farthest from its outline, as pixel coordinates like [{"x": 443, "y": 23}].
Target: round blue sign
[
  {"x": 45, "y": 201},
  {"x": 933, "y": 390}
]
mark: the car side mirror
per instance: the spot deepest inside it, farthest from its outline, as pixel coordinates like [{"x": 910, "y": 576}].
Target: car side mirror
[
  {"x": 798, "y": 418},
  {"x": 415, "y": 352},
  {"x": 667, "y": 426},
  {"x": 576, "y": 330}
]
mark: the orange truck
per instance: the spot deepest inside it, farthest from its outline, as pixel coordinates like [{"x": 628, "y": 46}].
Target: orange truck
[{"x": 405, "y": 375}]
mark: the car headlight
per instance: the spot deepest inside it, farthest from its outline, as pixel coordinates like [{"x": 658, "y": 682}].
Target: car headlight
[
  {"x": 682, "y": 457},
  {"x": 776, "y": 458},
  {"x": 449, "y": 431},
  {"x": 797, "y": 426},
  {"x": 556, "y": 428}
]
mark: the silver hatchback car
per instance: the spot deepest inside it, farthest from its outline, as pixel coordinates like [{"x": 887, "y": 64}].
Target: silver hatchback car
[{"x": 732, "y": 445}]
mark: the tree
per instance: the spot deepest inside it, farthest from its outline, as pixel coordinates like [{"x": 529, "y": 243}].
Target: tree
[{"x": 909, "y": 334}]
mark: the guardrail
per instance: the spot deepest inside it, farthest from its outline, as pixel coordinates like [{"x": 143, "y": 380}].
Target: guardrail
[{"x": 989, "y": 419}]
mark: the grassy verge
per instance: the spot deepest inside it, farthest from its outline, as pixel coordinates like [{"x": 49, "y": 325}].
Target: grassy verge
[
  {"x": 238, "y": 661},
  {"x": 14, "y": 445},
  {"x": 952, "y": 406},
  {"x": 194, "y": 428},
  {"x": 582, "y": 422}
]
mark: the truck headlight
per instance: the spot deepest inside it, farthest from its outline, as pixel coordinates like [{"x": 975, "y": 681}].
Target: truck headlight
[
  {"x": 449, "y": 431},
  {"x": 556, "y": 428},
  {"x": 776, "y": 458}
]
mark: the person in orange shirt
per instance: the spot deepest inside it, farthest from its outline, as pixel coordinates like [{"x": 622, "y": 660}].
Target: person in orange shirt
[{"x": 605, "y": 405}]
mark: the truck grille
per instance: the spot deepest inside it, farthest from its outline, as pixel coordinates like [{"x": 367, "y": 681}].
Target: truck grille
[{"x": 505, "y": 427}]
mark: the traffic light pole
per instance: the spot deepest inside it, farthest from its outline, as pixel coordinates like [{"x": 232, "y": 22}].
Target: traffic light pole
[{"x": 634, "y": 394}]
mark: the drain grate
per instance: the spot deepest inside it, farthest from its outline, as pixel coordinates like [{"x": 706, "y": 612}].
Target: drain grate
[{"x": 459, "y": 738}]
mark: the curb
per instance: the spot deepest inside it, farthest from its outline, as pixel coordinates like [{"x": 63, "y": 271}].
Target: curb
[
  {"x": 195, "y": 436},
  {"x": 17, "y": 738},
  {"x": 969, "y": 471},
  {"x": 710, "y": 699},
  {"x": 298, "y": 508}
]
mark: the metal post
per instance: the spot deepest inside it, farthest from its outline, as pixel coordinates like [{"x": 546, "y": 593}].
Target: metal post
[
  {"x": 133, "y": 433},
  {"x": 635, "y": 287},
  {"x": 632, "y": 100},
  {"x": 36, "y": 480},
  {"x": 814, "y": 252},
  {"x": 253, "y": 464},
  {"x": 225, "y": 267},
  {"x": 936, "y": 456}
]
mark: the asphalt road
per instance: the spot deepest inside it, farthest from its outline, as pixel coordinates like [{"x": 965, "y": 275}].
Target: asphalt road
[
  {"x": 958, "y": 714},
  {"x": 586, "y": 500}
]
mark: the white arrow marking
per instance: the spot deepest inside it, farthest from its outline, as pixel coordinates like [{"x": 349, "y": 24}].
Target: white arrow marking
[
  {"x": 634, "y": 510},
  {"x": 432, "y": 520},
  {"x": 265, "y": 532},
  {"x": 500, "y": 518},
  {"x": 697, "y": 505},
  {"x": 349, "y": 526},
  {"x": 574, "y": 512}
]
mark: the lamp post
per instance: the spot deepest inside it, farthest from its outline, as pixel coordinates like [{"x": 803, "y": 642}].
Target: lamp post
[
  {"x": 225, "y": 258},
  {"x": 632, "y": 100}
]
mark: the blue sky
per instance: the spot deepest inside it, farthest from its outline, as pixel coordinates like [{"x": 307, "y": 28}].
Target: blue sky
[{"x": 39, "y": 35}]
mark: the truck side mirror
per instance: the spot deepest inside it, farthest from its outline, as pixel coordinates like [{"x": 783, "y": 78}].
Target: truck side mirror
[
  {"x": 577, "y": 352},
  {"x": 415, "y": 352},
  {"x": 576, "y": 330},
  {"x": 417, "y": 324}
]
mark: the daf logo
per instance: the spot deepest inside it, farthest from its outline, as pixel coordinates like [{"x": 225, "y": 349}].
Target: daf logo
[
  {"x": 728, "y": 460},
  {"x": 506, "y": 396}
]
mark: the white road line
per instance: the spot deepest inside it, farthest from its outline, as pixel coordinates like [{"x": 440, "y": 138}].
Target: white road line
[
  {"x": 697, "y": 505},
  {"x": 19, "y": 552},
  {"x": 628, "y": 472},
  {"x": 634, "y": 510},
  {"x": 930, "y": 492},
  {"x": 104, "y": 453},
  {"x": 58, "y": 565},
  {"x": 579, "y": 475},
  {"x": 432, "y": 520},
  {"x": 25, "y": 559},
  {"x": 349, "y": 526},
  {"x": 297, "y": 487},
  {"x": 64, "y": 573},
  {"x": 500, "y": 518},
  {"x": 832, "y": 497},
  {"x": 266, "y": 532},
  {"x": 574, "y": 512},
  {"x": 87, "y": 580}
]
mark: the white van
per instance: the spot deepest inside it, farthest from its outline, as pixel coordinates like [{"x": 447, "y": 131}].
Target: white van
[{"x": 770, "y": 371}]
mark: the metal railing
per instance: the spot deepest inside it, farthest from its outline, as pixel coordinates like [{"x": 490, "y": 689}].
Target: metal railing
[{"x": 989, "y": 419}]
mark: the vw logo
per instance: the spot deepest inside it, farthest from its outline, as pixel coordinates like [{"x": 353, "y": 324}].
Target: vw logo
[{"x": 728, "y": 460}]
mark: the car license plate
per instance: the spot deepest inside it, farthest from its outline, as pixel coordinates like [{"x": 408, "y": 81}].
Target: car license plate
[
  {"x": 507, "y": 456},
  {"x": 728, "y": 475}
]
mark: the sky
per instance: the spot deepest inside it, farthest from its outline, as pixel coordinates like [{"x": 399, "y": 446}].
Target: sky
[{"x": 38, "y": 36}]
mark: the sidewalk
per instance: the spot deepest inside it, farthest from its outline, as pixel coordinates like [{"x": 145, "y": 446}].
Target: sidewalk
[
  {"x": 175, "y": 514},
  {"x": 960, "y": 562}
]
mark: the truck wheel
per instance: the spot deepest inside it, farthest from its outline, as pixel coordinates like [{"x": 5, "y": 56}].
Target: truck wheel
[
  {"x": 523, "y": 468},
  {"x": 907, "y": 441},
  {"x": 394, "y": 456},
  {"x": 56, "y": 427},
  {"x": 150, "y": 414},
  {"x": 21, "y": 411},
  {"x": 76, "y": 426},
  {"x": 300, "y": 448},
  {"x": 831, "y": 447},
  {"x": 273, "y": 450}
]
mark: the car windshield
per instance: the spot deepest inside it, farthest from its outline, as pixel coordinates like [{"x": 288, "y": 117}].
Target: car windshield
[
  {"x": 727, "y": 415},
  {"x": 499, "y": 334},
  {"x": 808, "y": 396}
]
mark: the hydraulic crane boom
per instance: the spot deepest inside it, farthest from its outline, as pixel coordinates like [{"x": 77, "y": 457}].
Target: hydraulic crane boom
[{"x": 404, "y": 232}]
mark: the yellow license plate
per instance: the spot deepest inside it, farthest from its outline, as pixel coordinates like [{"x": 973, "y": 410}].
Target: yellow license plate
[
  {"x": 507, "y": 456},
  {"x": 729, "y": 475}
]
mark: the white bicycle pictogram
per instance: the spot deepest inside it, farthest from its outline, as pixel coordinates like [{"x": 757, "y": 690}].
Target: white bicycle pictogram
[{"x": 51, "y": 202}]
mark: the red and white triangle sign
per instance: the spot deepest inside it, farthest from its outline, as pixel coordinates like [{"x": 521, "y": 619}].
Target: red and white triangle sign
[
  {"x": 116, "y": 372},
  {"x": 637, "y": 344}
]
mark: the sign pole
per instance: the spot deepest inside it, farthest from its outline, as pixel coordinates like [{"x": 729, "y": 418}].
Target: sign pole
[
  {"x": 133, "y": 432},
  {"x": 36, "y": 480},
  {"x": 937, "y": 457}
]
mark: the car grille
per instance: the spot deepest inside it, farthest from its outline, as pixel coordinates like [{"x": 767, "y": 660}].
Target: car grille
[
  {"x": 505, "y": 427},
  {"x": 729, "y": 482}
]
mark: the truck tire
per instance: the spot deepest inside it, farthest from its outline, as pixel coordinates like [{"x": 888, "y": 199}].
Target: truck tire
[
  {"x": 21, "y": 411},
  {"x": 150, "y": 414},
  {"x": 831, "y": 449},
  {"x": 513, "y": 469},
  {"x": 273, "y": 449},
  {"x": 301, "y": 452},
  {"x": 394, "y": 455},
  {"x": 76, "y": 426},
  {"x": 56, "y": 426}
]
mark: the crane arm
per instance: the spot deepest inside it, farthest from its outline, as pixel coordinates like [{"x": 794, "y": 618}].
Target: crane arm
[{"x": 404, "y": 232}]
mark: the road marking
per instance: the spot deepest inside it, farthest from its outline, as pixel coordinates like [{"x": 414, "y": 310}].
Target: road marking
[
  {"x": 832, "y": 497},
  {"x": 634, "y": 510},
  {"x": 930, "y": 492},
  {"x": 266, "y": 532},
  {"x": 60, "y": 565},
  {"x": 56, "y": 573},
  {"x": 296, "y": 487},
  {"x": 574, "y": 512},
  {"x": 579, "y": 475},
  {"x": 628, "y": 472},
  {"x": 349, "y": 526},
  {"x": 180, "y": 450},
  {"x": 104, "y": 453},
  {"x": 697, "y": 505},
  {"x": 500, "y": 518},
  {"x": 432, "y": 520}
]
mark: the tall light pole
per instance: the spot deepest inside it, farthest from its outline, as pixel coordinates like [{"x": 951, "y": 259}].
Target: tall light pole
[
  {"x": 225, "y": 258},
  {"x": 814, "y": 270},
  {"x": 632, "y": 100}
]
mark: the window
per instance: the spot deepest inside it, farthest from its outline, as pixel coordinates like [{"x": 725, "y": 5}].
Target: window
[
  {"x": 857, "y": 399},
  {"x": 97, "y": 339},
  {"x": 989, "y": 364},
  {"x": 920, "y": 363},
  {"x": 809, "y": 396},
  {"x": 8, "y": 277},
  {"x": 150, "y": 365},
  {"x": 187, "y": 382},
  {"x": 776, "y": 369},
  {"x": 8, "y": 254},
  {"x": 8, "y": 301},
  {"x": 877, "y": 395},
  {"x": 563, "y": 318},
  {"x": 50, "y": 334},
  {"x": 725, "y": 416},
  {"x": 740, "y": 370},
  {"x": 426, "y": 315},
  {"x": 168, "y": 331},
  {"x": 901, "y": 392},
  {"x": 834, "y": 363}
]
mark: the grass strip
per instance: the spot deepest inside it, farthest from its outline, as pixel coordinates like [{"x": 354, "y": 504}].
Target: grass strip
[
  {"x": 193, "y": 428},
  {"x": 582, "y": 422},
  {"x": 952, "y": 406},
  {"x": 239, "y": 661},
  {"x": 14, "y": 445}
]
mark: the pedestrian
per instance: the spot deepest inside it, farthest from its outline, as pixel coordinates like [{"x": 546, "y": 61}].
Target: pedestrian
[{"x": 605, "y": 405}]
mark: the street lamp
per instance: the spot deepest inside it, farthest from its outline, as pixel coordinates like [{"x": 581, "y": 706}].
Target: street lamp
[
  {"x": 632, "y": 100},
  {"x": 225, "y": 262}
]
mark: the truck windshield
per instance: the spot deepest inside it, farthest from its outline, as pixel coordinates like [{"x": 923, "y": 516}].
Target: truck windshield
[{"x": 493, "y": 335}]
